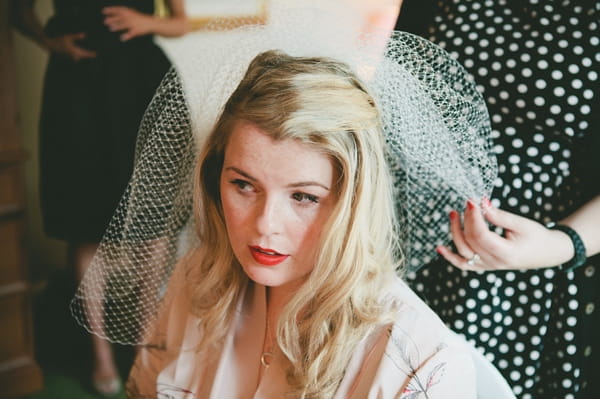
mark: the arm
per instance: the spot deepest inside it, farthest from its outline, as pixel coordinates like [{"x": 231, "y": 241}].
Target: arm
[
  {"x": 382, "y": 17},
  {"x": 26, "y": 21},
  {"x": 448, "y": 374},
  {"x": 377, "y": 24},
  {"x": 586, "y": 222},
  {"x": 134, "y": 23},
  {"x": 526, "y": 244},
  {"x": 163, "y": 336}
]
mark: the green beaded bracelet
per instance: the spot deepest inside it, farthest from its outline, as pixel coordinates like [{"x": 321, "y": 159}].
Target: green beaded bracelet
[{"x": 579, "y": 258}]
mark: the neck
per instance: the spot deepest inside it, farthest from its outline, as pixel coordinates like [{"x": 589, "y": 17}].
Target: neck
[
  {"x": 278, "y": 297},
  {"x": 276, "y": 300}
]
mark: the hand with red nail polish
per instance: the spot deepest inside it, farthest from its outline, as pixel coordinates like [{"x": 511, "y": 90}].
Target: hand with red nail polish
[{"x": 525, "y": 244}]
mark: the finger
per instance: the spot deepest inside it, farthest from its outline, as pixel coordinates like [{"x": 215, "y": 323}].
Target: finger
[
  {"x": 458, "y": 237},
  {"x": 473, "y": 219},
  {"x": 476, "y": 230},
  {"x": 110, "y": 10},
  {"x": 477, "y": 233},
  {"x": 127, "y": 36},
  {"x": 461, "y": 263},
  {"x": 500, "y": 218},
  {"x": 454, "y": 259},
  {"x": 114, "y": 22},
  {"x": 116, "y": 26},
  {"x": 77, "y": 36},
  {"x": 111, "y": 20}
]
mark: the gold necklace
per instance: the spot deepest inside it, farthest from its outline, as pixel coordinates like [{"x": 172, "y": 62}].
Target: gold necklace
[{"x": 267, "y": 356}]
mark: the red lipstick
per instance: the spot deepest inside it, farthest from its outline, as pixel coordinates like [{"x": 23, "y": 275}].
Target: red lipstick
[{"x": 267, "y": 257}]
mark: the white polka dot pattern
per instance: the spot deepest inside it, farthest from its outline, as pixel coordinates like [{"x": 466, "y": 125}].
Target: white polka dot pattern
[{"x": 536, "y": 63}]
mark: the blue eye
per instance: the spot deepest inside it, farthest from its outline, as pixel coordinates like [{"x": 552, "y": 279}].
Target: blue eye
[{"x": 305, "y": 198}]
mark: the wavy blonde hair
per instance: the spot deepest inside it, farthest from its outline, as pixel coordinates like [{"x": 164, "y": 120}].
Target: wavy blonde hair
[{"x": 321, "y": 103}]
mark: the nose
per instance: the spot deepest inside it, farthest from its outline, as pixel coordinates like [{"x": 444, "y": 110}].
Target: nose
[{"x": 268, "y": 217}]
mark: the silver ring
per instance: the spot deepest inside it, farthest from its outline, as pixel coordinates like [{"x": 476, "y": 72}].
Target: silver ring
[{"x": 474, "y": 259}]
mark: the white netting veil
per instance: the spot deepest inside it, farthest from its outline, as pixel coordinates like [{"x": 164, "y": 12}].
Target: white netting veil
[{"x": 435, "y": 122}]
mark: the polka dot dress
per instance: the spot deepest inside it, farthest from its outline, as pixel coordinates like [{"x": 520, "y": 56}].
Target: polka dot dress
[{"x": 537, "y": 65}]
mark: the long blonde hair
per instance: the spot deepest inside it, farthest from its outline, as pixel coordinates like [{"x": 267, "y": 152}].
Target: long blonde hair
[{"x": 321, "y": 103}]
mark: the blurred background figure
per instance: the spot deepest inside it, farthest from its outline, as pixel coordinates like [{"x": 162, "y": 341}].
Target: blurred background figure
[
  {"x": 537, "y": 65},
  {"x": 101, "y": 75}
]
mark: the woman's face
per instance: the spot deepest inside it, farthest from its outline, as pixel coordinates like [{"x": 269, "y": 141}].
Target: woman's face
[{"x": 276, "y": 198}]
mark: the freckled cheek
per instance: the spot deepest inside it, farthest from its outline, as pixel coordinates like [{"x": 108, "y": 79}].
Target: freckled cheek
[
  {"x": 308, "y": 233},
  {"x": 314, "y": 229},
  {"x": 235, "y": 230},
  {"x": 236, "y": 216},
  {"x": 230, "y": 211}
]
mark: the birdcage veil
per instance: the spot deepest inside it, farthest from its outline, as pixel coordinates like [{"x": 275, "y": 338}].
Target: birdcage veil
[{"x": 435, "y": 123}]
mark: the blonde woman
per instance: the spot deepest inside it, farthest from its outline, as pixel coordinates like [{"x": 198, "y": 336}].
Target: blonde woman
[{"x": 292, "y": 291}]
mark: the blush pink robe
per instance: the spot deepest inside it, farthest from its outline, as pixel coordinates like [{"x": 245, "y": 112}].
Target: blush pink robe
[{"x": 416, "y": 357}]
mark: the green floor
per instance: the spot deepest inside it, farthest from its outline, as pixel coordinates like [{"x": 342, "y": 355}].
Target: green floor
[
  {"x": 62, "y": 346},
  {"x": 66, "y": 385}
]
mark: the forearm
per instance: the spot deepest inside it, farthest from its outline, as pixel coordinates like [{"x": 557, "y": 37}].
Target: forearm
[
  {"x": 586, "y": 222},
  {"x": 176, "y": 24},
  {"x": 382, "y": 17},
  {"x": 169, "y": 27}
]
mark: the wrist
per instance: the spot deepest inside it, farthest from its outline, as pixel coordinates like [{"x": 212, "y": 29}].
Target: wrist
[
  {"x": 577, "y": 247},
  {"x": 150, "y": 24}
]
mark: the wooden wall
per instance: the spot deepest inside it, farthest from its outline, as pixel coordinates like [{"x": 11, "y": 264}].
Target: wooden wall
[{"x": 19, "y": 374}]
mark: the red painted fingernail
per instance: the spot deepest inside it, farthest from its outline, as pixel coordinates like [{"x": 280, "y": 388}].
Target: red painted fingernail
[
  {"x": 453, "y": 215},
  {"x": 470, "y": 205}
]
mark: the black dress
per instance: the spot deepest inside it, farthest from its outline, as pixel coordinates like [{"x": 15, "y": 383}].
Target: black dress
[
  {"x": 91, "y": 111},
  {"x": 537, "y": 64}
]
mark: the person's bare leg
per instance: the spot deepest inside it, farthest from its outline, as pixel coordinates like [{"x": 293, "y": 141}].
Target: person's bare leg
[{"x": 105, "y": 376}]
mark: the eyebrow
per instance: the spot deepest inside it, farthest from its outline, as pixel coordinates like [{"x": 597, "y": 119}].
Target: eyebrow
[{"x": 294, "y": 185}]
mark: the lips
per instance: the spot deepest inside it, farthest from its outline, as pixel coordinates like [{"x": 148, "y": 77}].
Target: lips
[{"x": 267, "y": 257}]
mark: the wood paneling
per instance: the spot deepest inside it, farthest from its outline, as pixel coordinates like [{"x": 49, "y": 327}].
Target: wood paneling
[{"x": 19, "y": 373}]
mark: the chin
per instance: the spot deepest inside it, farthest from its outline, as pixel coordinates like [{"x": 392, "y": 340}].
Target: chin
[{"x": 264, "y": 275}]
